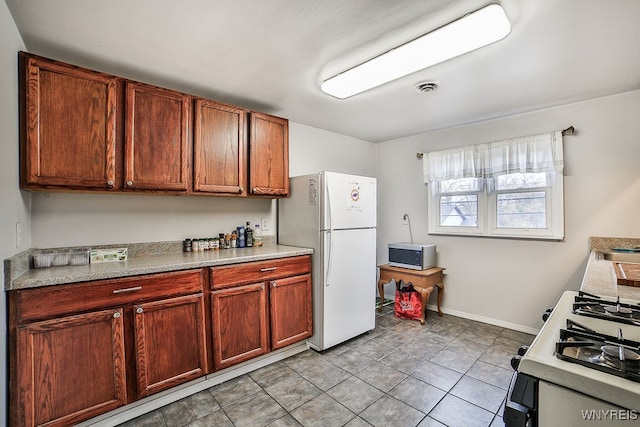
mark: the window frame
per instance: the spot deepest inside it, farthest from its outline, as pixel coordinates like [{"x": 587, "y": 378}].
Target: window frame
[{"x": 487, "y": 212}]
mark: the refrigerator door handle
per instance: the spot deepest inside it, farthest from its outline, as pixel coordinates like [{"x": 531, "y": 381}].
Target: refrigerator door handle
[
  {"x": 330, "y": 245},
  {"x": 329, "y": 206},
  {"x": 330, "y": 250}
]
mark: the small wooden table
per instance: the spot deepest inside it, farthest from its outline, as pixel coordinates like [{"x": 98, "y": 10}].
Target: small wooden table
[{"x": 423, "y": 281}]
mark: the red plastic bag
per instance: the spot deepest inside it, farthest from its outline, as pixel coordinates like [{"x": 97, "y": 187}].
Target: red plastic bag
[{"x": 408, "y": 305}]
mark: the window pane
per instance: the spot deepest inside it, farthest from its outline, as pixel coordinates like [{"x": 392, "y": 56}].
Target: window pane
[
  {"x": 514, "y": 181},
  {"x": 522, "y": 210},
  {"x": 458, "y": 185},
  {"x": 459, "y": 211}
]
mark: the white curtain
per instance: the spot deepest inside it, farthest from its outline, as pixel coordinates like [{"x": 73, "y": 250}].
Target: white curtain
[{"x": 535, "y": 153}]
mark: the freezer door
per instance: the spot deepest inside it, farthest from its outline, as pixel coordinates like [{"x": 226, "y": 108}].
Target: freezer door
[
  {"x": 350, "y": 201},
  {"x": 349, "y": 288}
]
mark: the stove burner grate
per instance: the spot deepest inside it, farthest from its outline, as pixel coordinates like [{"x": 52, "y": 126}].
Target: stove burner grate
[
  {"x": 594, "y": 306},
  {"x": 621, "y": 358},
  {"x": 586, "y": 347}
]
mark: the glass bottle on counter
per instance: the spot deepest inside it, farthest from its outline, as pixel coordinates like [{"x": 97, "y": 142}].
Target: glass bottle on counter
[
  {"x": 257, "y": 236},
  {"x": 248, "y": 235},
  {"x": 234, "y": 240}
]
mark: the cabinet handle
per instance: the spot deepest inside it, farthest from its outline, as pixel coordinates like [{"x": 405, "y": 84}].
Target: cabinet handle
[
  {"x": 139, "y": 310},
  {"x": 129, "y": 183},
  {"x": 254, "y": 190},
  {"x": 110, "y": 183},
  {"x": 240, "y": 190},
  {"x": 274, "y": 284},
  {"x": 262, "y": 270},
  {"x": 119, "y": 291},
  {"x": 116, "y": 315}
]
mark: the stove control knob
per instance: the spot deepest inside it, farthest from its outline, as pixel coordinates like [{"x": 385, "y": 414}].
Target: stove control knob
[
  {"x": 546, "y": 314},
  {"x": 522, "y": 350},
  {"x": 515, "y": 362}
]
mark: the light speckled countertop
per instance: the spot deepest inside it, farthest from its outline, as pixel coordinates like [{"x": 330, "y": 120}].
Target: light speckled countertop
[
  {"x": 147, "y": 264},
  {"x": 599, "y": 277}
]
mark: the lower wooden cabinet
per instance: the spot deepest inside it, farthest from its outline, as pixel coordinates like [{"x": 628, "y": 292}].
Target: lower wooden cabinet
[
  {"x": 239, "y": 324},
  {"x": 259, "y": 306},
  {"x": 290, "y": 310},
  {"x": 170, "y": 343},
  {"x": 70, "y": 369},
  {"x": 134, "y": 337},
  {"x": 80, "y": 350}
]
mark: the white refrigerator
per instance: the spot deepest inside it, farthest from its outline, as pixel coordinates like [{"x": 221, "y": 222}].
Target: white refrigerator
[{"x": 335, "y": 214}]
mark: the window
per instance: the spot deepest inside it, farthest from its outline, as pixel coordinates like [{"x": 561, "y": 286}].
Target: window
[{"x": 500, "y": 200}]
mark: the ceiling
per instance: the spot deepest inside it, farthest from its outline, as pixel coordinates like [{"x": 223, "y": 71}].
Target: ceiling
[{"x": 271, "y": 56}]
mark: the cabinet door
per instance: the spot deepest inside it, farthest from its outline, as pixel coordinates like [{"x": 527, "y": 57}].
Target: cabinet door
[
  {"x": 170, "y": 343},
  {"x": 269, "y": 155},
  {"x": 219, "y": 149},
  {"x": 70, "y": 369},
  {"x": 239, "y": 323},
  {"x": 69, "y": 125},
  {"x": 157, "y": 144},
  {"x": 290, "y": 310}
]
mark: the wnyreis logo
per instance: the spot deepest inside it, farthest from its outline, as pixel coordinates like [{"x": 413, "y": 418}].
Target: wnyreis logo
[{"x": 610, "y": 415}]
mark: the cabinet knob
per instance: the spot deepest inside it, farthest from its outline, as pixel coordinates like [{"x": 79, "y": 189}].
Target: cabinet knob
[
  {"x": 274, "y": 284},
  {"x": 139, "y": 310},
  {"x": 254, "y": 190},
  {"x": 129, "y": 183},
  {"x": 240, "y": 190},
  {"x": 116, "y": 315},
  {"x": 110, "y": 183}
]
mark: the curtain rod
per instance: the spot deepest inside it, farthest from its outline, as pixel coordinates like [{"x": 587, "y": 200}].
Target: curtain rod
[{"x": 568, "y": 131}]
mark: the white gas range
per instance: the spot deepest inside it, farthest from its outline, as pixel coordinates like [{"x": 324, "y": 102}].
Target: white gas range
[{"x": 582, "y": 367}]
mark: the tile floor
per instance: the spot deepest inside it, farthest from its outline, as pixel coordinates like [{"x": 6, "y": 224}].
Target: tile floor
[{"x": 450, "y": 371}]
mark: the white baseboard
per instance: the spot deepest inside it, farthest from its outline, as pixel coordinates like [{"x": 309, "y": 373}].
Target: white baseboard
[
  {"x": 478, "y": 318},
  {"x": 484, "y": 319},
  {"x": 151, "y": 403}
]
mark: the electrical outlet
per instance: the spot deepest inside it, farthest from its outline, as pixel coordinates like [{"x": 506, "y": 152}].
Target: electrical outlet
[
  {"x": 264, "y": 224},
  {"x": 405, "y": 219}
]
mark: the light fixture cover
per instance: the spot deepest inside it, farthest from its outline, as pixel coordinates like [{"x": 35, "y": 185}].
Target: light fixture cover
[{"x": 468, "y": 33}]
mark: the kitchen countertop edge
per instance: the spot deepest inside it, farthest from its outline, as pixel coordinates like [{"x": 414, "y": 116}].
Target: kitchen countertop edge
[
  {"x": 600, "y": 278},
  {"x": 149, "y": 264}
]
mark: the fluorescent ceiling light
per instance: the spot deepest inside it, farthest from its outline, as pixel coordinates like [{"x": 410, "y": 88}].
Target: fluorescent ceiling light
[{"x": 468, "y": 33}]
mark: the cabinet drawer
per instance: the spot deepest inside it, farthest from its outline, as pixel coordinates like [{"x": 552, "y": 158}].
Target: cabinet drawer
[
  {"x": 259, "y": 271},
  {"x": 53, "y": 301}
]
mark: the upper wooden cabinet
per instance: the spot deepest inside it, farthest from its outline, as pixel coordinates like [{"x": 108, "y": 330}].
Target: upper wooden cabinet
[
  {"x": 85, "y": 130},
  {"x": 68, "y": 125},
  {"x": 269, "y": 155},
  {"x": 157, "y": 142},
  {"x": 219, "y": 149}
]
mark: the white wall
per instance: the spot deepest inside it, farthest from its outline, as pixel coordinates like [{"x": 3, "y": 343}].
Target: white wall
[
  {"x": 14, "y": 205},
  {"x": 313, "y": 150},
  {"x": 511, "y": 282},
  {"x": 71, "y": 219}
]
